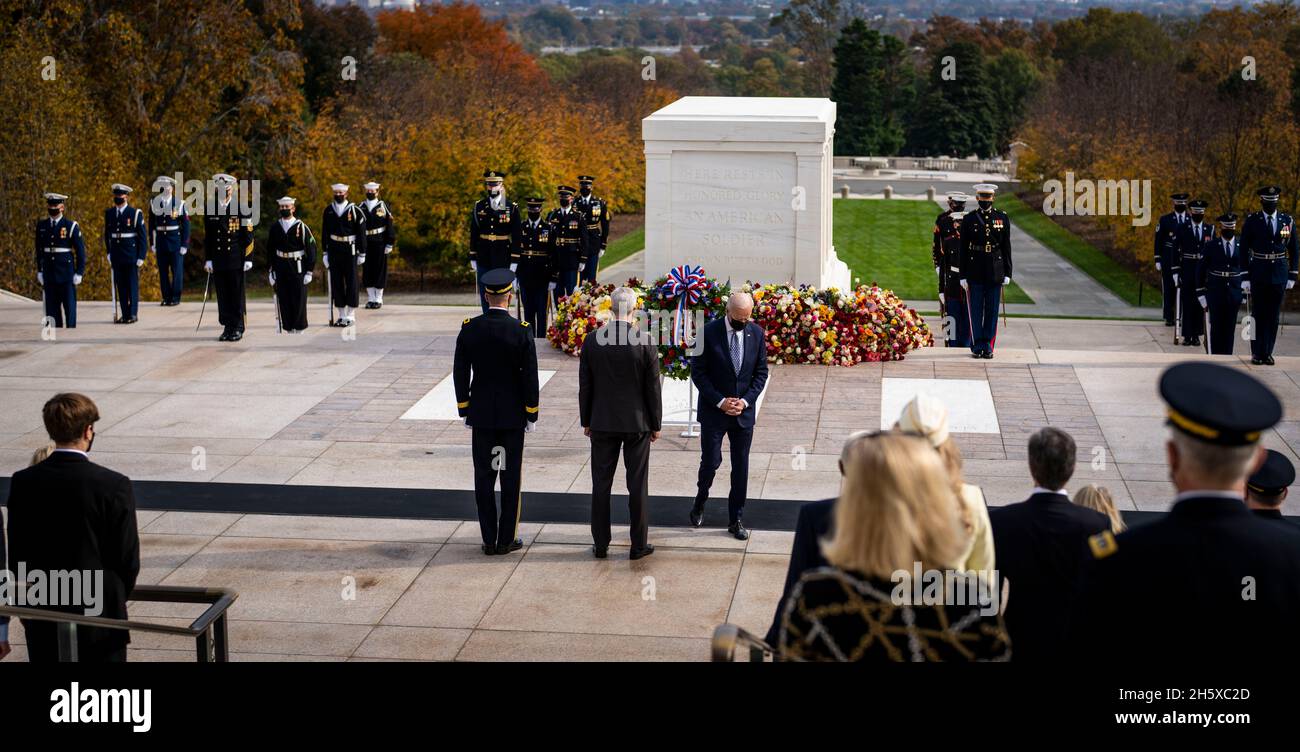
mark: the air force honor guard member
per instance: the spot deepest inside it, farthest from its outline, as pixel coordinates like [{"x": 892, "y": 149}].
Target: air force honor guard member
[
  {"x": 1271, "y": 268},
  {"x": 169, "y": 227},
  {"x": 1267, "y": 488},
  {"x": 1218, "y": 285},
  {"x": 493, "y": 232},
  {"x": 291, "y": 251},
  {"x": 344, "y": 230},
  {"x": 1196, "y": 583},
  {"x": 946, "y": 252},
  {"x": 380, "y": 237},
  {"x": 60, "y": 262},
  {"x": 1166, "y": 253},
  {"x": 495, "y": 375},
  {"x": 985, "y": 268},
  {"x": 227, "y": 245},
  {"x": 1192, "y": 237},
  {"x": 573, "y": 245},
  {"x": 536, "y": 262},
  {"x": 127, "y": 244},
  {"x": 596, "y": 210}
]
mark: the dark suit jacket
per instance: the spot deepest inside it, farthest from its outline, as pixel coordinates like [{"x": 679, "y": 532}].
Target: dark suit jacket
[
  {"x": 813, "y": 524},
  {"x": 618, "y": 381},
  {"x": 67, "y": 513},
  {"x": 1041, "y": 546},
  {"x": 716, "y": 379}
]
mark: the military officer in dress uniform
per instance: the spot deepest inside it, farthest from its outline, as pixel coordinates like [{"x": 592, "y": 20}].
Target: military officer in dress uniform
[
  {"x": 1198, "y": 582},
  {"x": 291, "y": 251},
  {"x": 493, "y": 231},
  {"x": 985, "y": 268},
  {"x": 60, "y": 262},
  {"x": 344, "y": 230},
  {"x": 380, "y": 237},
  {"x": 169, "y": 228},
  {"x": 1167, "y": 251},
  {"x": 227, "y": 247},
  {"x": 946, "y": 252},
  {"x": 126, "y": 241},
  {"x": 1218, "y": 285},
  {"x": 536, "y": 259},
  {"x": 1271, "y": 264},
  {"x": 1192, "y": 236},
  {"x": 572, "y": 242},
  {"x": 495, "y": 375},
  {"x": 596, "y": 210},
  {"x": 1267, "y": 488}
]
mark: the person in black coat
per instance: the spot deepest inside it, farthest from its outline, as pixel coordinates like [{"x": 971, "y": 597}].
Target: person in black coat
[
  {"x": 495, "y": 375},
  {"x": 67, "y": 514},
  {"x": 227, "y": 246},
  {"x": 620, "y": 407},
  {"x": 1041, "y": 545},
  {"x": 1166, "y": 253},
  {"x": 1219, "y": 284},
  {"x": 291, "y": 257},
  {"x": 812, "y": 525},
  {"x": 730, "y": 373},
  {"x": 1200, "y": 582},
  {"x": 1193, "y": 235},
  {"x": 1272, "y": 265}
]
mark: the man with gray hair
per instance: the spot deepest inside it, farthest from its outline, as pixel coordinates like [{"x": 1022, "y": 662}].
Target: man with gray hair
[{"x": 620, "y": 408}]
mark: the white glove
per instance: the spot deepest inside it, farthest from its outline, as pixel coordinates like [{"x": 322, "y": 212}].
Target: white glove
[
  {"x": 1290, "y": 283},
  {"x": 551, "y": 286},
  {"x": 361, "y": 259},
  {"x": 937, "y": 270},
  {"x": 109, "y": 259},
  {"x": 139, "y": 263},
  {"x": 581, "y": 267},
  {"x": 473, "y": 264},
  {"x": 325, "y": 260},
  {"x": 941, "y": 302},
  {"x": 513, "y": 268},
  {"x": 602, "y": 252},
  {"x": 184, "y": 250},
  {"x": 40, "y": 279},
  {"x": 248, "y": 265},
  {"x": 528, "y": 427},
  {"x": 1245, "y": 285},
  {"x": 1204, "y": 303},
  {"x": 1175, "y": 280},
  {"x": 965, "y": 285},
  {"x": 270, "y": 277},
  {"x": 1006, "y": 281},
  {"x": 76, "y": 279},
  {"x": 207, "y": 266},
  {"x": 1157, "y": 266},
  {"x": 306, "y": 278},
  {"x": 388, "y": 249}
]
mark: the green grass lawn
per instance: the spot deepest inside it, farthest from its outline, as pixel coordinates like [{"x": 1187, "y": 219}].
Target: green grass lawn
[
  {"x": 1078, "y": 251},
  {"x": 622, "y": 247},
  {"x": 888, "y": 242}
]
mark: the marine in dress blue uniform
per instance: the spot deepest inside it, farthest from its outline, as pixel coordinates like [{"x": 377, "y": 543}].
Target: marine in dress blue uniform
[
  {"x": 169, "y": 229},
  {"x": 1267, "y": 489},
  {"x": 60, "y": 262},
  {"x": 946, "y": 253},
  {"x": 126, "y": 241},
  {"x": 1167, "y": 253},
  {"x": 1270, "y": 241},
  {"x": 572, "y": 242},
  {"x": 381, "y": 237},
  {"x": 985, "y": 268},
  {"x": 536, "y": 261},
  {"x": 343, "y": 231},
  {"x": 495, "y": 376},
  {"x": 493, "y": 231},
  {"x": 1192, "y": 237},
  {"x": 596, "y": 210},
  {"x": 291, "y": 259},
  {"x": 1219, "y": 276}
]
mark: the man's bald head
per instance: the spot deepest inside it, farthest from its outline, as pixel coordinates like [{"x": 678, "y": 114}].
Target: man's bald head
[{"x": 740, "y": 306}]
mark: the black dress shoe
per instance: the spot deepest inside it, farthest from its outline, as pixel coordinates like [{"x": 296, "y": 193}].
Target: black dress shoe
[
  {"x": 977, "y": 355},
  {"x": 514, "y": 546},
  {"x": 490, "y": 549},
  {"x": 641, "y": 553},
  {"x": 739, "y": 531},
  {"x": 1169, "y": 323},
  {"x": 988, "y": 355},
  {"x": 378, "y": 306},
  {"x": 1256, "y": 362},
  {"x": 1269, "y": 361},
  {"x": 697, "y": 514},
  {"x": 236, "y": 336},
  {"x": 1196, "y": 341},
  {"x": 225, "y": 337},
  {"x": 599, "y": 552}
]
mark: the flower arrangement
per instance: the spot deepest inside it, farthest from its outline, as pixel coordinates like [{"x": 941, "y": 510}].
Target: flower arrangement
[
  {"x": 579, "y": 314},
  {"x": 677, "y": 296}
]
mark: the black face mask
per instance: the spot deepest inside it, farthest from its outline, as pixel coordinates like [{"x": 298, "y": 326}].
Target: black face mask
[
  {"x": 565, "y": 201},
  {"x": 957, "y": 207},
  {"x": 737, "y": 325},
  {"x": 534, "y": 213},
  {"x": 985, "y": 205},
  {"x": 1198, "y": 218},
  {"x": 54, "y": 212},
  {"x": 340, "y": 199},
  {"x": 1228, "y": 234},
  {"x": 1269, "y": 206},
  {"x": 586, "y": 190},
  {"x": 119, "y": 200},
  {"x": 370, "y": 195},
  {"x": 286, "y": 213}
]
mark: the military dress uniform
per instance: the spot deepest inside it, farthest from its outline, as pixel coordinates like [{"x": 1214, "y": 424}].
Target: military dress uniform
[
  {"x": 596, "y": 210},
  {"x": 572, "y": 244},
  {"x": 493, "y": 233},
  {"x": 343, "y": 231},
  {"x": 1271, "y": 262},
  {"x": 1218, "y": 285},
  {"x": 1192, "y": 237},
  {"x": 126, "y": 242},
  {"x": 946, "y": 254},
  {"x": 381, "y": 235},
  {"x": 227, "y": 246},
  {"x": 495, "y": 376},
  {"x": 169, "y": 228},
  {"x": 536, "y": 261},
  {"x": 291, "y": 257},
  {"x": 1209, "y": 580},
  {"x": 1267, "y": 488},
  {"x": 1167, "y": 252},
  {"x": 985, "y": 268},
  {"x": 60, "y": 263}
]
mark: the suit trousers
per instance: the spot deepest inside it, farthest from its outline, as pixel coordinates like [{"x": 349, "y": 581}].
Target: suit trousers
[
  {"x": 605, "y": 446},
  {"x": 229, "y": 284},
  {"x": 1193, "y": 322},
  {"x": 498, "y": 451},
  {"x": 711, "y": 434},
  {"x": 532, "y": 297},
  {"x": 171, "y": 275},
  {"x": 1167, "y": 292},
  {"x": 955, "y": 307}
]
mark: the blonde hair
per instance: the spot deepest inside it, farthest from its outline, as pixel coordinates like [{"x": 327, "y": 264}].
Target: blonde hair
[
  {"x": 1098, "y": 499},
  {"x": 896, "y": 508},
  {"x": 40, "y": 454}
]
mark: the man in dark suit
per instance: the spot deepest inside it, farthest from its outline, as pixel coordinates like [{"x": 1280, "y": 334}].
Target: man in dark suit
[
  {"x": 1200, "y": 582},
  {"x": 495, "y": 375},
  {"x": 69, "y": 515},
  {"x": 620, "y": 408},
  {"x": 730, "y": 372},
  {"x": 1040, "y": 546}
]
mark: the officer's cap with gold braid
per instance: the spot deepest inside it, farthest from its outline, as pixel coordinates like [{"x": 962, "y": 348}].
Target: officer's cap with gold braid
[
  {"x": 493, "y": 176},
  {"x": 54, "y": 199},
  {"x": 1274, "y": 476},
  {"x": 1218, "y": 404},
  {"x": 534, "y": 202},
  {"x": 1179, "y": 198},
  {"x": 1270, "y": 192},
  {"x": 1198, "y": 206},
  {"x": 585, "y": 179},
  {"x": 499, "y": 281},
  {"x": 985, "y": 190},
  {"x": 563, "y": 189},
  {"x": 120, "y": 189},
  {"x": 1228, "y": 221}
]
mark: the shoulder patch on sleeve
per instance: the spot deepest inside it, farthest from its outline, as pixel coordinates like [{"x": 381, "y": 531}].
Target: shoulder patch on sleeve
[
  {"x": 525, "y": 323},
  {"x": 1102, "y": 544},
  {"x": 463, "y": 323}
]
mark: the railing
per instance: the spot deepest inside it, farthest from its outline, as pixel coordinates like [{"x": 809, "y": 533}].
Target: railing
[
  {"x": 209, "y": 631},
  {"x": 728, "y": 638}
]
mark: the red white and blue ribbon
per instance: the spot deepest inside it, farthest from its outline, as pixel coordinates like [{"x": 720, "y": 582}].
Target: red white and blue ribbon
[{"x": 688, "y": 284}]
